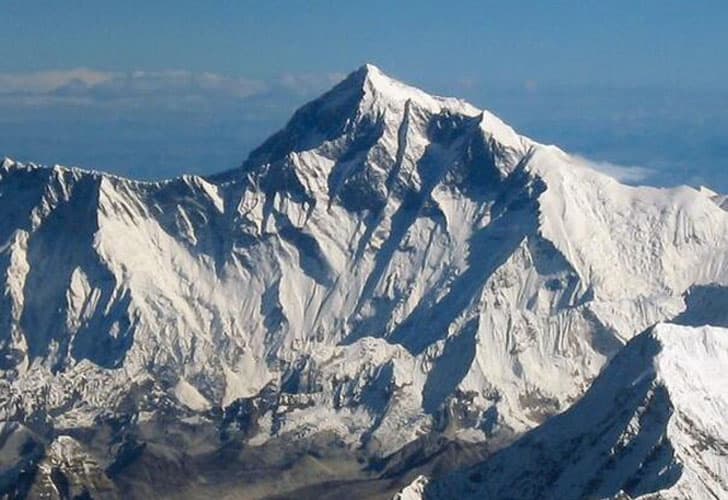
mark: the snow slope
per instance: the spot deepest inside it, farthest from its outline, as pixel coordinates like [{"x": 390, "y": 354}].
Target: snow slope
[
  {"x": 653, "y": 424},
  {"x": 388, "y": 265}
]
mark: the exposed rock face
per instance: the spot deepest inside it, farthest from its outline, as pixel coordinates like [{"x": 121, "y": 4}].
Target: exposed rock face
[{"x": 388, "y": 265}]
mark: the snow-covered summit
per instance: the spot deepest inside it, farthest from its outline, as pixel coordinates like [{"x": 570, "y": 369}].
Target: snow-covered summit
[
  {"x": 378, "y": 86},
  {"x": 369, "y": 126}
]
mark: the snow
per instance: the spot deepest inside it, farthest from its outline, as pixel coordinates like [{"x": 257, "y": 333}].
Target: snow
[
  {"x": 633, "y": 239},
  {"x": 693, "y": 366},
  {"x": 190, "y": 397},
  {"x": 395, "y": 93},
  {"x": 414, "y": 490}
]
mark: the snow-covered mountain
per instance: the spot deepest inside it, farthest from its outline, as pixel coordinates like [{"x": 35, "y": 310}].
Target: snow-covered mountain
[
  {"x": 653, "y": 423},
  {"x": 390, "y": 265}
]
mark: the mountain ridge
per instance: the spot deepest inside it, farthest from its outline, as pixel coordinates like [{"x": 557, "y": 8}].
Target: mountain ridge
[{"x": 650, "y": 424}]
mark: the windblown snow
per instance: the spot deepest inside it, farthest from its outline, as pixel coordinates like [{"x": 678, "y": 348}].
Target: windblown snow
[{"x": 390, "y": 264}]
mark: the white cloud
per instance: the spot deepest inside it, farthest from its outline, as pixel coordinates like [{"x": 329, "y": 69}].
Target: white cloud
[
  {"x": 42, "y": 82},
  {"x": 179, "y": 83},
  {"x": 83, "y": 84},
  {"x": 624, "y": 173}
]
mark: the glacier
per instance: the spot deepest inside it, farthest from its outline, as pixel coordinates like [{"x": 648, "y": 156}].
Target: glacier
[{"x": 389, "y": 267}]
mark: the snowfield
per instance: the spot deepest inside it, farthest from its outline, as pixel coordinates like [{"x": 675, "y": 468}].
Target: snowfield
[{"x": 388, "y": 266}]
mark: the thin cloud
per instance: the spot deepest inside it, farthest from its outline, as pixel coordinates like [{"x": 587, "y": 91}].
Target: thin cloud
[
  {"x": 179, "y": 83},
  {"x": 44, "y": 82},
  {"x": 91, "y": 84},
  {"x": 624, "y": 173},
  {"x": 84, "y": 86}
]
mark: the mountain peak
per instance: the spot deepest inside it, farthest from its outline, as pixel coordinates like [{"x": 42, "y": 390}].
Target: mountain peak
[
  {"x": 372, "y": 115},
  {"x": 369, "y": 74},
  {"x": 381, "y": 91},
  {"x": 384, "y": 89},
  {"x": 355, "y": 107},
  {"x": 369, "y": 69},
  {"x": 373, "y": 77}
]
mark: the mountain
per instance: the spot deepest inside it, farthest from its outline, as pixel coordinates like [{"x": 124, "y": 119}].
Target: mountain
[
  {"x": 653, "y": 423},
  {"x": 389, "y": 269}
]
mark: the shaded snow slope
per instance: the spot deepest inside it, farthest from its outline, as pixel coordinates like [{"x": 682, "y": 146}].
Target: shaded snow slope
[
  {"x": 653, "y": 423},
  {"x": 388, "y": 265}
]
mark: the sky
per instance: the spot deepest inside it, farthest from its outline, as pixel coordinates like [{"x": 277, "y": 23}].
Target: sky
[{"x": 157, "y": 89}]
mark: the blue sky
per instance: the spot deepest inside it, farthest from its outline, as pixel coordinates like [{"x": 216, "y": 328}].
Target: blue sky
[{"x": 152, "y": 89}]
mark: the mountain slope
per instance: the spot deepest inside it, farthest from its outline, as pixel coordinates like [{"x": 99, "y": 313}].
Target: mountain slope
[
  {"x": 652, "y": 424},
  {"x": 389, "y": 265}
]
